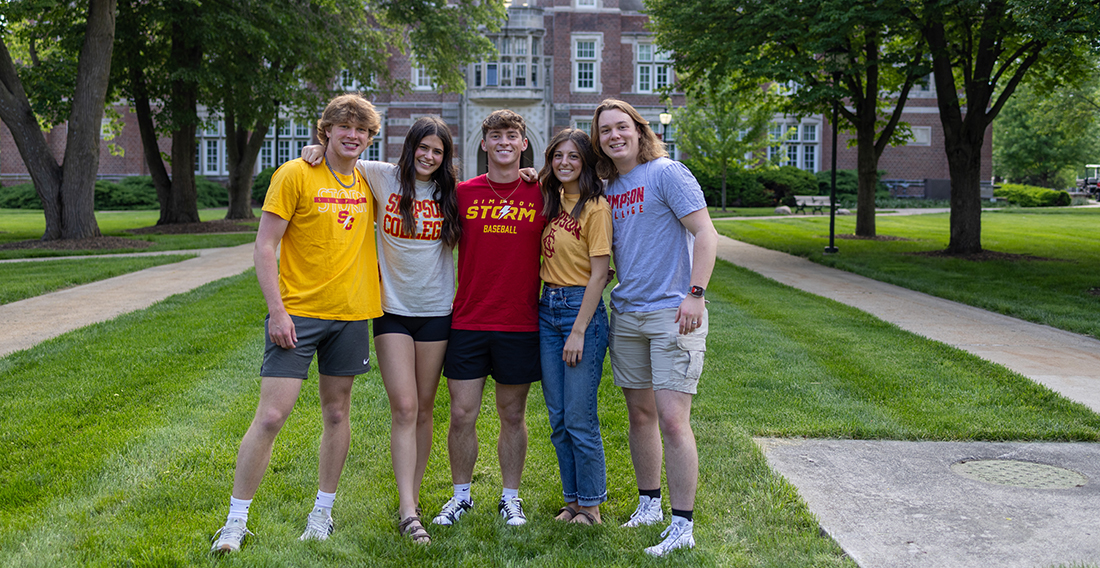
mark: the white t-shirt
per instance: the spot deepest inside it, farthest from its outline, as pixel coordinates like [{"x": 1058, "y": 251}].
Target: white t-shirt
[{"x": 417, "y": 269}]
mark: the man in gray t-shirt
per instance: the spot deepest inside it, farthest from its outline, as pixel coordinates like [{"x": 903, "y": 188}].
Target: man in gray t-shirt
[{"x": 664, "y": 247}]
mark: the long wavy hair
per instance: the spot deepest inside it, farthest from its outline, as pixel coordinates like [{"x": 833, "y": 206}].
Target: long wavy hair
[
  {"x": 650, "y": 146},
  {"x": 444, "y": 178},
  {"x": 590, "y": 185}
]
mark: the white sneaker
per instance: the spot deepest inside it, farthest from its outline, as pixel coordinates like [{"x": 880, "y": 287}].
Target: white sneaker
[
  {"x": 451, "y": 511},
  {"x": 648, "y": 512},
  {"x": 512, "y": 511},
  {"x": 229, "y": 537},
  {"x": 318, "y": 525},
  {"x": 677, "y": 535}
]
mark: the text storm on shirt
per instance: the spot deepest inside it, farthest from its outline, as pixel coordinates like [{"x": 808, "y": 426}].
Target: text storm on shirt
[
  {"x": 511, "y": 212},
  {"x": 627, "y": 203},
  {"x": 425, "y": 210}
]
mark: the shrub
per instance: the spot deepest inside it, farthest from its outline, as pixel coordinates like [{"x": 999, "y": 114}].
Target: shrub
[
  {"x": 210, "y": 193},
  {"x": 262, "y": 180},
  {"x": 847, "y": 183},
  {"x": 130, "y": 193},
  {"x": 1032, "y": 196},
  {"x": 21, "y": 196},
  {"x": 787, "y": 181}
]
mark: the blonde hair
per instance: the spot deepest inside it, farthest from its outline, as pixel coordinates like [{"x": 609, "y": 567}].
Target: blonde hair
[
  {"x": 650, "y": 147},
  {"x": 348, "y": 108}
]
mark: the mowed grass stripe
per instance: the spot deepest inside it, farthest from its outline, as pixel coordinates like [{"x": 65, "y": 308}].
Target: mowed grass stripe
[
  {"x": 149, "y": 487},
  {"x": 28, "y": 279}
]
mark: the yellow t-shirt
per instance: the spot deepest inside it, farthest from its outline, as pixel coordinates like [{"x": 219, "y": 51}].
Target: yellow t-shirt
[
  {"x": 328, "y": 265},
  {"x": 568, "y": 244}
]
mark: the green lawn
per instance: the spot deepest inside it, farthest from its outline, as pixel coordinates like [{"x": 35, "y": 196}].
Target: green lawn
[
  {"x": 27, "y": 279},
  {"x": 1061, "y": 291},
  {"x": 22, "y": 225},
  {"x": 120, "y": 439}
]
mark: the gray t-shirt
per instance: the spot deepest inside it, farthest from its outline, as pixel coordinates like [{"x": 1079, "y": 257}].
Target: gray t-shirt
[
  {"x": 652, "y": 249},
  {"x": 418, "y": 277}
]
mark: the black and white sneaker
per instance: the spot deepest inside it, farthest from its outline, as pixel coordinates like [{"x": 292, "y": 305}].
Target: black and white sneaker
[
  {"x": 451, "y": 511},
  {"x": 512, "y": 511}
]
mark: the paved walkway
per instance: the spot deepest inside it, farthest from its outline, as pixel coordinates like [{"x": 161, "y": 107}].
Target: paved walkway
[
  {"x": 26, "y": 323},
  {"x": 887, "y": 504}
]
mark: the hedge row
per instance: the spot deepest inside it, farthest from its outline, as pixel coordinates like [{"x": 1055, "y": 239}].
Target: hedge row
[
  {"x": 1032, "y": 196},
  {"x": 130, "y": 193}
]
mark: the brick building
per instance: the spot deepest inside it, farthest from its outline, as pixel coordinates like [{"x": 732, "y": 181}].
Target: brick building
[{"x": 557, "y": 60}]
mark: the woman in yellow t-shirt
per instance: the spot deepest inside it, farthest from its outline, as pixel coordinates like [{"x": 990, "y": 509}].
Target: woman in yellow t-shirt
[{"x": 573, "y": 325}]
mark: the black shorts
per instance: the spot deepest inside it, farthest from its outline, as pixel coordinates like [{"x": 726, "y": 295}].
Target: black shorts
[
  {"x": 511, "y": 357},
  {"x": 433, "y": 328}
]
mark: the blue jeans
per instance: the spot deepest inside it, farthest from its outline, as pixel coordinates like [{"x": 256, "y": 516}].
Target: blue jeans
[{"x": 570, "y": 394}]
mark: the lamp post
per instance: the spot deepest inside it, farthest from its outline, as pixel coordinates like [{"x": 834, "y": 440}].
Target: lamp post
[
  {"x": 831, "y": 249},
  {"x": 666, "y": 119}
]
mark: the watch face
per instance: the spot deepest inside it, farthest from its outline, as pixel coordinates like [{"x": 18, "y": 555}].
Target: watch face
[{"x": 697, "y": 291}]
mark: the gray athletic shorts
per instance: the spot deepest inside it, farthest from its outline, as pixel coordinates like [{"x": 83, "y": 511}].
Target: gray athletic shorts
[{"x": 342, "y": 348}]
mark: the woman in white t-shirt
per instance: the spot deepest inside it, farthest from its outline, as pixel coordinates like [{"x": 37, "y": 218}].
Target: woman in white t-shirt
[{"x": 418, "y": 226}]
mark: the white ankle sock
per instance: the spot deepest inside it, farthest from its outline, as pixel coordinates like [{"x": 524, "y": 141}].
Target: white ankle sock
[
  {"x": 238, "y": 508},
  {"x": 324, "y": 500},
  {"x": 462, "y": 492},
  {"x": 509, "y": 494}
]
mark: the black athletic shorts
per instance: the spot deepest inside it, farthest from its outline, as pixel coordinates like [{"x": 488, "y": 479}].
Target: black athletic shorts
[
  {"x": 433, "y": 328},
  {"x": 510, "y": 357}
]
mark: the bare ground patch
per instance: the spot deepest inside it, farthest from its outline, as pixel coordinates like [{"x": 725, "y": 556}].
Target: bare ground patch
[{"x": 874, "y": 238}]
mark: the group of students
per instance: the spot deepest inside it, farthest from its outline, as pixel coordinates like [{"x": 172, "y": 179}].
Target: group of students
[{"x": 617, "y": 193}]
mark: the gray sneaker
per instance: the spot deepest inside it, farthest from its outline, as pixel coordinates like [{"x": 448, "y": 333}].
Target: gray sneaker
[
  {"x": 229, "y": 537},
  {"x": 318, "y": 525},
  {"x": 648, "y": 512},
  {"x": 451, "y": 511},
  {"x": 677, "y": 535}
]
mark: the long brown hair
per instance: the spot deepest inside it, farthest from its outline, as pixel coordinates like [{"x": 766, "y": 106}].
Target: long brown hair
[
  {"x": 650, "y": 147},
  {"x": 444, "y": 177},
  {"x": 590, "y": 185}
]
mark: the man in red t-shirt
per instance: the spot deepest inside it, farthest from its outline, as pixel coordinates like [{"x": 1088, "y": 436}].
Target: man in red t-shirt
[{"x": 494, "y": 326}]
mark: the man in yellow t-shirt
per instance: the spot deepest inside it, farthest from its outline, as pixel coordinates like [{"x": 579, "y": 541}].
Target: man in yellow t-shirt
[{"x": 320, "y": 296}]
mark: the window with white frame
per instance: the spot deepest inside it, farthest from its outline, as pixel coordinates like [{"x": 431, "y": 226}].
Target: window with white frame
[
  {"x": 583, "y": 124},
  {"x": 794, "y": 144},
  {"x": 585, "y": 63},
  {"x": 652, "y": 68},
  {"x": 374, "y": 151},
  {"x": 267, "y": 159},
  {"x": 347, "y": 81},
  {"x": 210, "y": 164},
  {"x": 586, "y": 4},
  {"x": 421, "y": 81},
  {"x": 516, "y": 65},
  {"x": 301, "y": 129}
]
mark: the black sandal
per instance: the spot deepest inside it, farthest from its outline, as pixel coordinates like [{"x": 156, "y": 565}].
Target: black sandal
[
  {"x": 414, "y": 529},
  {"x": 566, "y": 509}
]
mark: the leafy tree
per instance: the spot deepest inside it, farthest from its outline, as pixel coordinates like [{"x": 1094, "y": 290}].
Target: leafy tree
[
  {"x": 859, "y": 53},
  {"x": 247, "y": 59},
  {"x": 64, "y": 56},
  {"x": 1043, "y": 134},
  {"x": 719, "y": 126},
  {"x": 981, "y": 51}
]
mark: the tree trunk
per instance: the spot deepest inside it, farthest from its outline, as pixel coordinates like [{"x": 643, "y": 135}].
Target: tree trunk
[
  {"x": 867, "y": 167},
  {"x": 242, "y": 148},
  {"x": 15, "y": 111},
  {"x": 964, "y": 161},
  {"x": 186, "y": 55},
  {"x": 149, "y": 139},
  {"x": 82, "y": 144}
]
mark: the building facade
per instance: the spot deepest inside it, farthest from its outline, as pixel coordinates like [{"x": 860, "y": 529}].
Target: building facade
[{"x": 557, "y": 59}]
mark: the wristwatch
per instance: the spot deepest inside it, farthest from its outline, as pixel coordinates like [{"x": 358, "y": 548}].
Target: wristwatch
[{"x": 697, "y": 291}]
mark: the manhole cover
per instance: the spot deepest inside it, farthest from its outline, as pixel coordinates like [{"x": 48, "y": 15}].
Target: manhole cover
[{"x": 1019, "y": 474}]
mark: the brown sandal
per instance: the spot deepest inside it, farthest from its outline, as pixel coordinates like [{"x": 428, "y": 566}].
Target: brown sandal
[
  {"x": 566, "y": 509},
  {"x": 414, "y": 529},
  {"x": 589, "y": 518}
]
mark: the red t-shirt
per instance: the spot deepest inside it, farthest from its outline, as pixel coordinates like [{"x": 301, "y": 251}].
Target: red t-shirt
[{"x": 498, "y": 256}]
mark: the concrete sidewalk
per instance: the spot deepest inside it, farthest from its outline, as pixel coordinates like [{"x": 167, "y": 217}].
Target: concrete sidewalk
[{"x": 26, "y": 323}]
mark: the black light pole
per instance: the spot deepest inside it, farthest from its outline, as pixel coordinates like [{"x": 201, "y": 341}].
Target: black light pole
[{"x": 831, "y": 249}]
